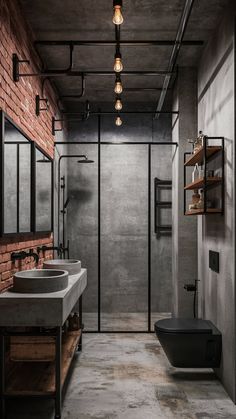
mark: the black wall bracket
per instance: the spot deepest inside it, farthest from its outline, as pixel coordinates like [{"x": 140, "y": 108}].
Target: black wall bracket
[
  {"x": 38, "y": 102},
  {"x": 16, "y": 67},
  {"x": 54, "y": 125}
]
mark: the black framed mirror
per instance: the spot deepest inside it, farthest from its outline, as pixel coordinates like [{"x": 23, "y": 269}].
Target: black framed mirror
[
  {"x": 16, "y": 179},
  {"x": 43, "y": 192},
  {"x": 26, "y": 197}
]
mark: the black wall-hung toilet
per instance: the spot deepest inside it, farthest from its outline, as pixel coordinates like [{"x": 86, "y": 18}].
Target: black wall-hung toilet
[{"x": 190, "y": 343}]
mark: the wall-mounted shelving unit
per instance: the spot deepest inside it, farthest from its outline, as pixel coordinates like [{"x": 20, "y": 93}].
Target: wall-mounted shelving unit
[{"x": 206, "y": 154}]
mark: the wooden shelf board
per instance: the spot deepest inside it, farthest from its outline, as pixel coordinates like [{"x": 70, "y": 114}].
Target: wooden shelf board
[
  {"x": 201, "y": 211},
  {"x": 38, "y": 378},
  {"x": 198, "y": 157},
  {"x": 199, "y": 183}
]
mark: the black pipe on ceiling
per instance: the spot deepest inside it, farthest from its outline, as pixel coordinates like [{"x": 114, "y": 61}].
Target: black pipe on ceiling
[
  {"x": 58, "y": 73},
  {"x": 131, "y": 43},
  {"x": 120, "y": 113},
  {"x": 175, "y": 52}
]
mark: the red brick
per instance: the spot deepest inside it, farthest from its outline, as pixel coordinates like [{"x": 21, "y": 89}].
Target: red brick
[{"x": 18, "y": 101}]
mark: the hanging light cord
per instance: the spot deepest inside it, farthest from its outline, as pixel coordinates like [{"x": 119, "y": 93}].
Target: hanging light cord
[{"x": 117, "y": 53}]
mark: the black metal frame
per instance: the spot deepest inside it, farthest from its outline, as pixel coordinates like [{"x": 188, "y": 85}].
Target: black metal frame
[
  {"x": 207, "y": 186},
  {"x": 32, "y": 231},
  {"x": 3, "y": 117},
  {"x": 158, "y": 204},
  {"x": 37, "y": 147},
  {"x": 99, "y": 143},
  {"x": 57, "y": 395},
  {"x": 61, "y": 185}
]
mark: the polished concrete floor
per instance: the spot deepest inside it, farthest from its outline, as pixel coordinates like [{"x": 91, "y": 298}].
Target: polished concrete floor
[
  {"x": 127, "y": 376},
  {"x": 118, "y": 322}
]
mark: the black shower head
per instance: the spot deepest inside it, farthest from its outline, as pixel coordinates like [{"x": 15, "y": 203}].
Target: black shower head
[
  {"x": 44, "y": 160},
  {"x": 86, "y": 160}
]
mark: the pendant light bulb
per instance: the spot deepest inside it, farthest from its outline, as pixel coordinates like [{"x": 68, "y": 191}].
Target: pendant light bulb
[
  {"x": 118, "y": 104},
  {"x": 117, "y": 17},
  {"x": 118, "y": 86},
  {"x": 118, "y": 121},
  {"x": 118, "y": 66}
]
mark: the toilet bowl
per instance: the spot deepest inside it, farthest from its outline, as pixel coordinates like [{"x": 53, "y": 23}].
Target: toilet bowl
[{"x": 190, "y": 343}]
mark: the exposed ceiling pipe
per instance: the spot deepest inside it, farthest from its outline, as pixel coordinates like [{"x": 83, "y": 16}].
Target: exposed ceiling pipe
[
  {"x": 138, "y": 43},
  {"x": 142, "y": 89},
  {"x": 175, "y": 52},
  {"x": 80, "y": 94},
  {"x": 121, "y": 113}
]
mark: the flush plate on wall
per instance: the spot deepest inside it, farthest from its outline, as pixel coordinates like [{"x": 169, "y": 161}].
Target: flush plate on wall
[{"x": 214, "y": 261}]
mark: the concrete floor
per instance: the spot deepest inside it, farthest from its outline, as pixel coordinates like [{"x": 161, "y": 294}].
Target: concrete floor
[
  {"x": 127, "y": 376},
  {"x": 121, "y": 321}
]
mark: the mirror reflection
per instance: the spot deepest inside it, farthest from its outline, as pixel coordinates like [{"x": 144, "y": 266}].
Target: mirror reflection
[
  {"x": 17, "y": 181},
  {"x": 43, "y": 192}
]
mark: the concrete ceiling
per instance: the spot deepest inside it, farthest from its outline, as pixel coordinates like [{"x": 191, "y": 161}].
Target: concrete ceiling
[{"x": 92, "y": 20}]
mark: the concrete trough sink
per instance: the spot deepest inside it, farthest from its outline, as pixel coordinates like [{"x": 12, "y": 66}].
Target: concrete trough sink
[
  {"x": 37, "y": 281},
  {"x": 72, "y": 266}
]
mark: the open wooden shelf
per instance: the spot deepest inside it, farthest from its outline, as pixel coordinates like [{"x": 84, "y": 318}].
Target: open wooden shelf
[
  {"x": 198, "y": 157},
  {"x": 38, "y": 378},
  {"x": 201, "y": 211},
  {"x": 199, "y": 183}
]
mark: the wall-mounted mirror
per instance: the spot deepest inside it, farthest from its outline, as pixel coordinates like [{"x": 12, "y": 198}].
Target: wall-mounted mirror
[
  {"x": 44, "y": 191},
  {"x": 16, "y": 179},
  {"x": 25, "y": 182}
]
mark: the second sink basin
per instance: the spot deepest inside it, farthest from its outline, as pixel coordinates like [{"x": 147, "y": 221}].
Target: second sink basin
[
  {"x": 72, "y": 266},
  {"x": 38, "y": 281}
]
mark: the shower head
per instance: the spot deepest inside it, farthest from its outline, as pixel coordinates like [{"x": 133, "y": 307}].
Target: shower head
[
  {"x": 86, "y": 160},
  {"x": 44, "y": 160}
]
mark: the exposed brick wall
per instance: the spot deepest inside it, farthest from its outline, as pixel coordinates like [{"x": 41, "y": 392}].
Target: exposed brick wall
[{"x": 18, "y": 101}]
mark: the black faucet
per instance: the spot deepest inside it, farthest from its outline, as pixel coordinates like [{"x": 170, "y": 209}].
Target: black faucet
[
  {"x": 23, "y": 255},
  {"x": 45, "y": 248}
]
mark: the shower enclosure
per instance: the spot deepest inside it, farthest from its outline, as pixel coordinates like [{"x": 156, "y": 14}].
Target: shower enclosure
[{"x": 110, "y": 223}]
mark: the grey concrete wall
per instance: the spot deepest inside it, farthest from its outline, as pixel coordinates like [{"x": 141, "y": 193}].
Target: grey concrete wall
[
  {"x": 184, "y": 250},
  {"x": 124, "y": 228},
  {"x": 134, "y": 128},
  {"x": 124, "y": 215},
  {"x": 216, "y": 117},
  {"x": 161, "y": 246}
]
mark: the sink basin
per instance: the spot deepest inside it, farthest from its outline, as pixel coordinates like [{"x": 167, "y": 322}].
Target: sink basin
[
  {"x": 72, "y": 266},
  {"x": 40, "y": 281}
]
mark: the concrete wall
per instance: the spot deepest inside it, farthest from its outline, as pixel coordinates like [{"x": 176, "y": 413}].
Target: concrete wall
[
  {"x": 216, "y": 117},
  {"x": 134, "y": 128},
  {"x": 184, "y": 262},
  {"x": 161, "y": 245},
  {"x": 124, "y": 215}
]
